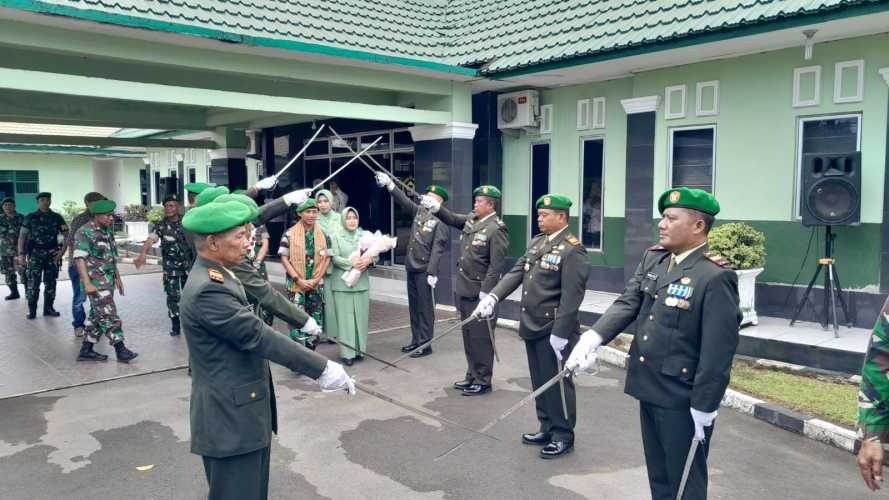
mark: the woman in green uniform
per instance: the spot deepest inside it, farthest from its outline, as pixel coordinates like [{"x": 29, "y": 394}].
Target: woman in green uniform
[
  {"x": 330, "y": 224},
  {"x": 350, "y": 304}
]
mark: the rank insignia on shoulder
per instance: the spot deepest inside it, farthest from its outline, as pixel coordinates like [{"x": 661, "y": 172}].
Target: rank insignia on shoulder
[
  {"x": 215, "y": 275},
  {"x": 572, "y": 240},
  {"x": 657, "y": 248},
  {"x": 717, "y": 259}
]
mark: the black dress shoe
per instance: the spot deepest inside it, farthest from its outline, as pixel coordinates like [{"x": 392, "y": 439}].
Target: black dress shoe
[
  {"x": 477, "y": 389},
  {"x": 426, "y": 351},
  {"x": 537, "y": 438},
  {"x": 409, "y": 347},
  {"x": 52, "y": 313},
  {"x": 462, "y": 385},
  {"x": 348, "y": 361},
  {"x": 556, "y": 449}
]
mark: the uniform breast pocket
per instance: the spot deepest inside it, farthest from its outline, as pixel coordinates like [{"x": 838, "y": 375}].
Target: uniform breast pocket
[
  {"x": 648, "y": 286},
  {"x": 680, "y": 367},
  {"x": 250, "y": 393}
]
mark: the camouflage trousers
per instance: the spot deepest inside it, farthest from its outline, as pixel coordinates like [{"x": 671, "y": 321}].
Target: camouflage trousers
[
  {"x": 313, "y": 304},
  {"x": 42, "y": 267},
  {"x": 103, "y": 319},
  {"x": 8, "y": 268},
  {"x": 173, "y": 285}
]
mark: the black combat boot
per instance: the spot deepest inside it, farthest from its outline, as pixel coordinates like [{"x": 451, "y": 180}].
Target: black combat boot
[
  {"x": 124, "y": 355},
  {"x": 13, "y": 292},
  {"x": 48, "y": 309},
  {"x": 88, "y": 354},
  {"x": 174, "y": 329},
  {"x": 32, "y": 310}
]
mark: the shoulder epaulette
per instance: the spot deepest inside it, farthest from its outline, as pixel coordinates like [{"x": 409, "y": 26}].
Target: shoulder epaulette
[
  {"x": 572, "y": 240},
  {"x": 215, "y": 275},
  {"x": 657, "y": 248},
  {"x": 500, "y": 223},
  {"x": 717, "y": 259}
]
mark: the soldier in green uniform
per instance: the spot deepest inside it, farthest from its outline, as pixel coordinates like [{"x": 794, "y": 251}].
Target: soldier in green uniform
[
  {"x": 233, "y": 412},
  {"x": 873, "y": 403},
  {"x": 484, "y": 239},
  {"x": 176, "y": 253},
  {"x": 78, "y": 315},
  {"x": 684, "y": 302},
  {"x": 95, "y": 253},
  {"x": 429, "y": 238},
  {"x": 40, "y": 245},
  {"x": 10, "y": 224},
  {"x": 553, "y": 274}
]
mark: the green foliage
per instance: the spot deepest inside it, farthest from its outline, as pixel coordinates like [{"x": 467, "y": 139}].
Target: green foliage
[
  {"x": 70, "y": 209},
  {"x": 155, "y": 215},
  {"x": 134, "y": 213},
  {"x": 740, "y": 244}
]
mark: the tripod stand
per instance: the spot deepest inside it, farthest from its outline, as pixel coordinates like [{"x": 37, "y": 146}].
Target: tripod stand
[{"x": 832, "y": 289}]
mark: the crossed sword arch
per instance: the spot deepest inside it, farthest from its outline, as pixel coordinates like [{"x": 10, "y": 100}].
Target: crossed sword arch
[{"x": 483, "y": 431}]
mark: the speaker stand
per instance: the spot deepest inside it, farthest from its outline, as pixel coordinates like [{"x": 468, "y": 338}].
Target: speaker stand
[{"x": 832, "y": 289}]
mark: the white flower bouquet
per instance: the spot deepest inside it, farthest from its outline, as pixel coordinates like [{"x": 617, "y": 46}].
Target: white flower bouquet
[{"x": 369, "y": 245}]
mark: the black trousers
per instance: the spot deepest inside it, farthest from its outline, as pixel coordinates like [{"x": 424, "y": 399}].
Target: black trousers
[
  {"x": 477, "y": 343},
  {"x": 666, "y": 437},
  {"x": 543, "y": 366},
  {"x": 241, "y": 477},
  {"x": 421, "y": 306}
]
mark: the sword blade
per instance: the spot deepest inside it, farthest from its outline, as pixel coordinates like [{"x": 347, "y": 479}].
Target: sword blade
[
  {"x": 562, "y": 394},
  {"x": 389, "y": 399},
  {"x": 357, "y": 156},
  {"x": 301, "y": 151},
  {"x": 688, "y": 461},
  {"x": 371, "y": 356},
  {"x": 493, "y": 343},
  {"x": 408, "y": 190},
  {"x": 430, "y": 341}
]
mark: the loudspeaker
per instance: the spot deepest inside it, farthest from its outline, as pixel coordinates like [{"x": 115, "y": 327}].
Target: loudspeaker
[{"x": 831, "y": 189}]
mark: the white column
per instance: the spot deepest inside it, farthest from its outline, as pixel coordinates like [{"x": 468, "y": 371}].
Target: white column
[{"x": 107, "y": 177}]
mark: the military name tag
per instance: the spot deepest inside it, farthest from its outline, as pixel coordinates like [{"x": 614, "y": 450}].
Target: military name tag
[{"x": 651, "y": 276}]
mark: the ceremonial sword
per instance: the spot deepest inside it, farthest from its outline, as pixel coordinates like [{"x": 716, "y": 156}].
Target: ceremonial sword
[
  {"x": 434, "y": 339},
  {"x": 493, "y": 344},
  {"x": 357, "y": 156},
  {"x": 371, "y": 356},
  {"x": 299, "y": 153},
  {"x": 688, "y": 461}
]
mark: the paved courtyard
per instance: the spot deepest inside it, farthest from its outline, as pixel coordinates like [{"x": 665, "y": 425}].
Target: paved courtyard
[{"x": 90, "y": 441}]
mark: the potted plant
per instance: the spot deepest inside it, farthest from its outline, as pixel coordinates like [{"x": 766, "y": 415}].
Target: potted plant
[{"x": 744, "y": 248}]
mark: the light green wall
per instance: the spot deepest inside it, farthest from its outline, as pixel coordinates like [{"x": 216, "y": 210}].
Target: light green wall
[{"x": 757, "y": 126}]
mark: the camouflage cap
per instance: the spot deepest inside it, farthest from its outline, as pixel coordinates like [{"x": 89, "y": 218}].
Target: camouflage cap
[
  {"x": 489, "y": 191},
  {"x": 695, "y": 199},
  {"x": 435, "y": 188},
  {"x": 554, "y": 201},
  {"x": 210, "y": 194},
  {"x": 215, "y": 218},
  {"x": 103, "y": 207}
]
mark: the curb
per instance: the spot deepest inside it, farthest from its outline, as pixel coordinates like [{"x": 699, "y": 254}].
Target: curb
[{"x": 810, "y": 427}]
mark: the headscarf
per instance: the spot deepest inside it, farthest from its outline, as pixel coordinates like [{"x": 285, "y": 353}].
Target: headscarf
[
  {"x": 346, "y": 231},
  {"x": 329, "y": 221}
]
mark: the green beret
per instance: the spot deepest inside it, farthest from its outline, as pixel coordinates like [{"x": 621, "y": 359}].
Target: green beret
[
  {"x": 8, "y": 199},
  {"x": 103, "y": 207},
  {"x": 196, "y": 187},
  {"x": 215, "y": 218},
  {"x": 435, "y": 188},
  {"x": 489, "y": 191},
  {"x": 696, "y": 199},
  {"x": 310, "y": 203},
  {"x": 171, "y": 197},
  {"x": 554, "y": 202},
  {"x": 210, "y": 194},
  {"x": 240, "y": 198},
  {"x": 44, "y": 194}
]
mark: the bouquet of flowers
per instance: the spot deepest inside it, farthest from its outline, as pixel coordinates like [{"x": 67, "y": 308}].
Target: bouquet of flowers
[{"x": 369, "y": 245}]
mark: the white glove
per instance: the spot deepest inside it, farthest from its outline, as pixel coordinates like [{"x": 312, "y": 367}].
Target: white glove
[
  {"x": 267, "y": 183},
  {"x": 430, "y": 203},
  {"x": 583, "y": 356},
  {"x": 557, "y": 343},
  {"x": 311, "y": 327},
  {"x": 334, "y": 378},
  {"x": 297, "y": 197},
  {"x": 383, "y": 180},
  {"x": 481, "y": 295},
  {"x": 702, "y": 419},
  {"x": 485, "y": 307},
  {"x": 432, "y": 280}
]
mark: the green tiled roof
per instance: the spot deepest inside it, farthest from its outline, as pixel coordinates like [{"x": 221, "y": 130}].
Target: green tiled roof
[{"x": 451, "y": 35}]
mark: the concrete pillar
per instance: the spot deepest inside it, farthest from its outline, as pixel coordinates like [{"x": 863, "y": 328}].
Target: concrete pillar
[
  {"x": 443, "y": 155},
  {"x": 884, "y": 254},
  {"x": 228, "y": 164},
  {"x": 107, "y": 178}
]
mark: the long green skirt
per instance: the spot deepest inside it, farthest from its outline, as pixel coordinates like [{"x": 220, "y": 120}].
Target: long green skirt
[
  {"x": 352, "y": 309},
  {"x": 330, "y": 321}
]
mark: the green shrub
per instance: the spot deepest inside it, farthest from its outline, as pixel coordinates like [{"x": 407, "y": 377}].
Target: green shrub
[
  {"x": 740, "y": 244},
  {"x": 155, "y": 215},
  {"x": 134, "y": 213},
  {"x": 70, "y": 209}
]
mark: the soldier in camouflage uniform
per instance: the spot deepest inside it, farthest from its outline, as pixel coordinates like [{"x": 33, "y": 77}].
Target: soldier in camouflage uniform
[
  {"x": 177, "y": 256},
  {"x": 873, "y": 403},
  {"x": 96, "y": 255},
  {"x": 40, "y": 243},
  {"x": 10, "y": 224}
]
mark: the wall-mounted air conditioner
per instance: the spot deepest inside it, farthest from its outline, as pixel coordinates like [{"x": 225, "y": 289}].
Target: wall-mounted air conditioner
[{"x": 518, "y": 109}]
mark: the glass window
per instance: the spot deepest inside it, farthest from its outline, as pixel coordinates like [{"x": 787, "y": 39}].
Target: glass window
[
  {"x": 826, "y": 134},
  {"x": 192, "y": 174},
  {"x": 591, "y": 184},
  {"x": 403, "y": 139},
  {"x": 692, "y": 157},
  {"x": 403, "y": 168}
]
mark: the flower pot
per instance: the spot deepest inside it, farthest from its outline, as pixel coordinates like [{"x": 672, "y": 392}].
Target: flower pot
[{"x": 747, "y": 293}]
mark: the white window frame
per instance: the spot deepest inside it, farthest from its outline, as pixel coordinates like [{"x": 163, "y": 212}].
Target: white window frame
[
  {"x": 672, "y": 131},
  {"x": 797, "y": 74},
  {"x": 838, "y": 81},
  {"x": 797, "y": 202},
  {"x": 598, "y": 113},
  {"x": 584, "y": 112},
  {"x": 546, "y": 119},
  {"x": 699, "y": 110},
  {"x": 580, "y": 196},
  {"x": 669, "y": 112}
]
